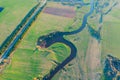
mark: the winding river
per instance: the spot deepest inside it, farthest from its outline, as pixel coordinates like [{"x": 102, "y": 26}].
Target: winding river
[{"x": 50, "y": 39}]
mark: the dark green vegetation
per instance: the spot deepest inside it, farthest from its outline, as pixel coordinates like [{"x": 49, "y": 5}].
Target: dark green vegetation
[
  {"x": 1, "y": 9},
  {"x": 94, "y": 33},
  {"x": 112, "y": 68}
]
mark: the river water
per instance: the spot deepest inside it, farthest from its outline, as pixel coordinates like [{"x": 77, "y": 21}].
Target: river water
[{"x": 52, "y": 38}]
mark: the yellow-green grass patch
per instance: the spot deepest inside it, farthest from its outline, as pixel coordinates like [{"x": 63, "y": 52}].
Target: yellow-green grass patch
[{"x": 14, "y": 11}]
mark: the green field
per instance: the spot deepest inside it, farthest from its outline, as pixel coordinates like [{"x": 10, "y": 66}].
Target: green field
[
  {"x": 14, "y": 11},
  {"x": 110, "y": 43},
  {"x": 26, "y": 63},
  {"x": 111, "y": 33}
]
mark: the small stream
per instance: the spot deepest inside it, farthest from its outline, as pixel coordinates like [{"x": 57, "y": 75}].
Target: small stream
[{"x": 48, "y": 40}]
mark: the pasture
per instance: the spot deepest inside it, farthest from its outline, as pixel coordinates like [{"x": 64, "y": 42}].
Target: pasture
[
  {"x": 1, "y": 9},
  {"x": 14, "y": 11},
  {"x": 26, "y": 62}
]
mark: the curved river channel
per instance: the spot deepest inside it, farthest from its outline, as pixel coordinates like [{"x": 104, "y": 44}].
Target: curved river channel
[{"x": 48, "y": 40}]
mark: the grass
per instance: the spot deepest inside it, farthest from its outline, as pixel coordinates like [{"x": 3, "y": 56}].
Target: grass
[
  {"x": 27, "y": 64},
  {"x": 25, "y": 67},
  {"x": 111, "y": 38},
  {"x": 13, "y": 13},
  {"x": 61, "y": 51},
  {"x": 110, "y": 34},
  {"x": 81, "y": 44},
  {"x": 110, "y": 43}
]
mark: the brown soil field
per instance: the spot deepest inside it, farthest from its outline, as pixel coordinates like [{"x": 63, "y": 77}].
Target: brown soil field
[{"x": 69, "y": 12}]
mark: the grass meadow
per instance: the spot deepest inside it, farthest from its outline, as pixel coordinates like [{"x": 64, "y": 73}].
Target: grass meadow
[
  {"x": 111, "y": 34},
  {"x": 26, "y": 63},
  {"x": 14, "y": 11}
]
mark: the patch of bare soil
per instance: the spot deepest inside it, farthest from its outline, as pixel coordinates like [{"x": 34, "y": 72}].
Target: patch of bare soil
[
  {"x": 93, "y": 61},
  {"x": 70, "y": 13},
  {"x": 3, "y": 65}
]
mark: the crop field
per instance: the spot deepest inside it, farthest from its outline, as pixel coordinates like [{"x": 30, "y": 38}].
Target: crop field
[
  {"x": 13, "y": 12},
  {"x": 70, "y": 13}
]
